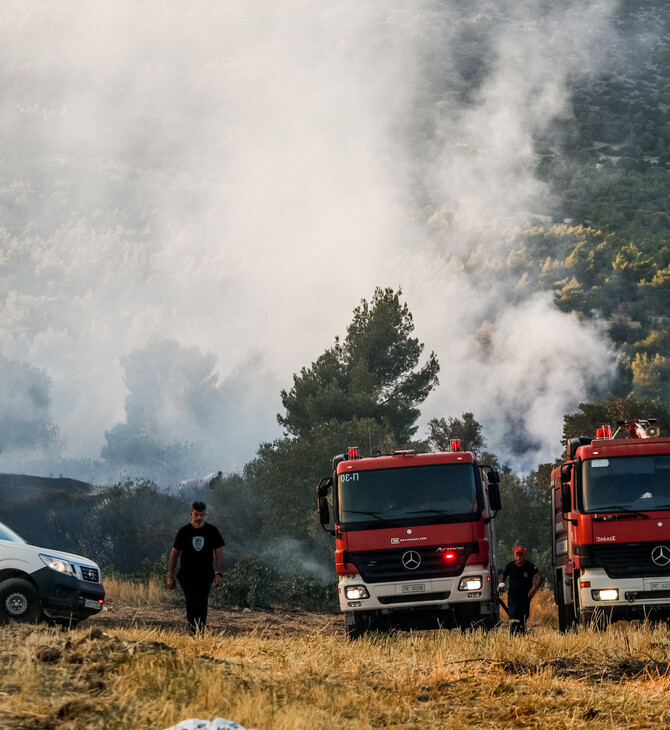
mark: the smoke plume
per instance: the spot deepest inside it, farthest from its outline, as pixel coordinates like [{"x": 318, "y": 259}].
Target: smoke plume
[{"x": 194, "y": 197}]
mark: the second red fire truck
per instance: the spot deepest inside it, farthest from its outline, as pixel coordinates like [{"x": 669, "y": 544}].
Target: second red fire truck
[{"x": 611, "y": 526}]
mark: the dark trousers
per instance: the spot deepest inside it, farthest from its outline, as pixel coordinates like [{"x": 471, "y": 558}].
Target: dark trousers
[
  {"x": 197, "y": 595},
  {"x": 519, "y": 610}
]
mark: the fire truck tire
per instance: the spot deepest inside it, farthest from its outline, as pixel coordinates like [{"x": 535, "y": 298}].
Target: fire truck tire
[
  {"x": 490, "y": 622},
  {"x": 566, "y": 618},
  {"x": 601, "y": 620},
  {"x": 356, "y": 626},
  {"x": 566, "y": 621},
  {"x": 19, "y": 601},
  {"x": 597, "y": 620}
]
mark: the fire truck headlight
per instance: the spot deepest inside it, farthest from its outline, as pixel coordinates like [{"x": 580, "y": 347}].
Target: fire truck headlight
[
  {"x": 355, "y": 593},
  {"x": 470, "y": 583},
  {"x": 606, "y": 594}
]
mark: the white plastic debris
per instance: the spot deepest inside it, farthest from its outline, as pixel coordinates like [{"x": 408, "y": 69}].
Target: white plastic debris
[{"x": 217, "y": 723}]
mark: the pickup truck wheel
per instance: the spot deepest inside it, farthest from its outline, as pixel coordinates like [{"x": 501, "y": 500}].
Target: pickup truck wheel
[{"x": 19, "y": 601}]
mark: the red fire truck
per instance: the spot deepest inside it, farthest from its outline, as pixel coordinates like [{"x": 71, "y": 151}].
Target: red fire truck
[
  {"x": 415, "y": 539},
  {"x": 611, "y": 526}
]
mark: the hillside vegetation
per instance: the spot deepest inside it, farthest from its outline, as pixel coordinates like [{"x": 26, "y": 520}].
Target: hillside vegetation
[{"x": 606, "y": 254}]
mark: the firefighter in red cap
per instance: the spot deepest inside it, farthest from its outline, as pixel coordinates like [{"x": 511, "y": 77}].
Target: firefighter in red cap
[{"x": 524, "y": 581}]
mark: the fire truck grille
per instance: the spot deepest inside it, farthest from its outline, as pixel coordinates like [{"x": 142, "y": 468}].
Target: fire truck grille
[
  {"x": 436, "y": 561},
  {"x": 633, "y": 559},
  {"x": 415, "y": 598}
]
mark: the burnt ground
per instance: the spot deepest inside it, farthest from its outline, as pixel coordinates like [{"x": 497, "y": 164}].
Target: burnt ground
[{"x": 268, "y": 622}]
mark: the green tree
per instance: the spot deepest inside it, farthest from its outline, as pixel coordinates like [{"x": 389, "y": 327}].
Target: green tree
[
  {"x": 632, "y": 263},
  {"x": 571, "y": 296},
  {"x": 233, "y": 506},
  {"x": 25, "y": 402},
  {"x": 466, "y": 428},
  {"x": 651, "y": 375},
  {"x": 361, "y": 392},
  {"x": 374, "y": 374},
  {"x": 172, "y": 390},
  {"x": 657, "y": 342}
]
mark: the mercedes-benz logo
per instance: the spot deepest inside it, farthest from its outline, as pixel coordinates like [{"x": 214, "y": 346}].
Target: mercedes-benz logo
[
  {"x": 660, "y": 555},
  {"x": 411, "y": 560}
]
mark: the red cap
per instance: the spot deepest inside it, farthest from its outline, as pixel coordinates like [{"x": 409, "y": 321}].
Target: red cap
[{"x": 519, "y": 549}]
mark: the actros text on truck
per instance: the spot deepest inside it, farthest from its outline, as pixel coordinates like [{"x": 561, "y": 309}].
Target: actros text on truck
[
  {"x": 611, "y": 526},
  {"x": 415, "y": 539}
]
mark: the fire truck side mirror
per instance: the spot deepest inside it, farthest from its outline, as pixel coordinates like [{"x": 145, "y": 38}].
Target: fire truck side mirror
[
  {"x": 323, "y": 487},
  {"x": 493, "y": 476},
  {"x": 566, "y": 499},
  {"x": 494, "y": 496},
  {"x": 566, "y": 494},
  {"x": 322, "y": 491},
  {"x": 324, "y": 511}
]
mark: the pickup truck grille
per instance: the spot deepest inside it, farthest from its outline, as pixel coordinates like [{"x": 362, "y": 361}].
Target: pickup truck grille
[
  {"x": 630, "y": 560},
  {"x": 378, "y": 566},
  {"x": 90, "y": 574}
]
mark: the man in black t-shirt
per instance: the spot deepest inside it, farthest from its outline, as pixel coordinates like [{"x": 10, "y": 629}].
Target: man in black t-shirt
[
  {"x": 524, "y": 581},
  {"x": 198, "y": 546}
]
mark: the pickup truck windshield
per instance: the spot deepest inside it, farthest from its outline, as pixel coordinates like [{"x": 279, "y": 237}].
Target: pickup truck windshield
[
  {"x": 9, "y": 535},
  {"x": 412, "y": 493},
  {"x": 626, "y": 483}
]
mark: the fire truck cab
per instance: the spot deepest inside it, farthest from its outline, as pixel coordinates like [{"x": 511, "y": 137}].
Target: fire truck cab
[
  {"x": 611, "y": 527},
  {"x": 415, "y": 539}
]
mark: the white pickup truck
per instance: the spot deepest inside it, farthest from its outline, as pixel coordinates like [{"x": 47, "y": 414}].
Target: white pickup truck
[{"x": 39, "y": 583}]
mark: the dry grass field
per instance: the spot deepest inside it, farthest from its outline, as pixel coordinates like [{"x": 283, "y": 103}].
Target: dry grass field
[{"x": 134, "y": 666}]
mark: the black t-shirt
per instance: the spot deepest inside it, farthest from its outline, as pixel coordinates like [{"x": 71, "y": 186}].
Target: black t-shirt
[
  {"x": 197, "y": 546},
  {"x": 520, "y": 577}
]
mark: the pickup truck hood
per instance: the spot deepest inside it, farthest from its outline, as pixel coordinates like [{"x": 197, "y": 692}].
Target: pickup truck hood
[{"x": 28, "y": 551}]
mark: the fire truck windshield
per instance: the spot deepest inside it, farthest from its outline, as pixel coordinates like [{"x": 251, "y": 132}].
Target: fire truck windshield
[
  {"x": 626, "y": 483},
  {"x": 416, "y": 494}
]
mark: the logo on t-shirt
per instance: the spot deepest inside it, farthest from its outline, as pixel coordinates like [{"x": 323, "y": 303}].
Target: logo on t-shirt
[{"x": 198, "y": 543}]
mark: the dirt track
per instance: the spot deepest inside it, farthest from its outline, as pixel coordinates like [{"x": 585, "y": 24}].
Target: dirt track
[{"x": 271, "y": 623}]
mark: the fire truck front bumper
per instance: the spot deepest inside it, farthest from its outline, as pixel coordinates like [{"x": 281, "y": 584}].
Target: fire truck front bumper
[
  {"x": 472, "y": 587},
  {"x": 625, "y": 598}
]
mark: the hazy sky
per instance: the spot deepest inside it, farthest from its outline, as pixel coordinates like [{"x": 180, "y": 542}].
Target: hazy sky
[{"x": 236, "y": 176}]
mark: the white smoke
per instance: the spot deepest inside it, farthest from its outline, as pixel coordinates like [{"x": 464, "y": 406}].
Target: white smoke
[{"x": 235, "y": 177}]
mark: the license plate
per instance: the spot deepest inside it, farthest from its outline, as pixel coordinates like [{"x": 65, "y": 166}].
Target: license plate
[
  {"x": 89, "y": 603},
  {"x": 665, "y": 586},
  {"x": 414, "y": 588}
]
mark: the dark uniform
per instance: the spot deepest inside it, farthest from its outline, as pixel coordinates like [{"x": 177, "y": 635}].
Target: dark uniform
[
  {"x": 196, "y": 568},
  {"x": 520, "y": 584}
]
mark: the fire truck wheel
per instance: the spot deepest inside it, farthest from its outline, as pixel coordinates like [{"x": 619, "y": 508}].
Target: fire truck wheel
[
  {"x": 356, "y": 626},
  {"x": 598, "y": 620},
  {"x": 490, "y": 622},
  {"x": 601, "y": 620},
  {"x": 566, "y": 619}
]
